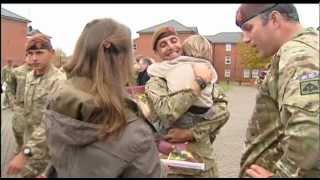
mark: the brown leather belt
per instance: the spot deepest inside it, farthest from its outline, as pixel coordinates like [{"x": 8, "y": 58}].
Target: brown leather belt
[{"x": 198, "y": 110}]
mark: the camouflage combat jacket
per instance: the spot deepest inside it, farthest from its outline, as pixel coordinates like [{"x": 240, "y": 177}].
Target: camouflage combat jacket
[
  {"x": 18, "y": 83},
  {"x": 173, "y": 107},
  {"x": 6, "y": 74},
  {"x": 283, "y": 133},
  {"x": 35, "y": 97}
]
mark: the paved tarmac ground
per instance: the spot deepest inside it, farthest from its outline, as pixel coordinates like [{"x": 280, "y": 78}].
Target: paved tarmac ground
[{"x": 228, "y": 144}]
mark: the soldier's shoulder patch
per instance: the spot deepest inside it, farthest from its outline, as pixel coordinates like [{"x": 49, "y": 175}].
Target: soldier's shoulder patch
[
  {"x": 310, "y": 87},
  {"x": 310, "y": 83}
]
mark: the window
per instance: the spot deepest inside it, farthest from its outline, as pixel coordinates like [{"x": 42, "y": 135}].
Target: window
[
  {"x": 255, "y": 73},
  {"x": 228, "y": 47},
  {"x": 227, "y": 73},
  {"x": 134, "y": 46},
  {"x": 246, "y": 73},
  {"x": 227, "y": 60}
]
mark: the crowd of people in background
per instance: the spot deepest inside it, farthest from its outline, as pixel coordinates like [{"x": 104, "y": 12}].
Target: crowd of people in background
[{"x": 79, "y": 120}]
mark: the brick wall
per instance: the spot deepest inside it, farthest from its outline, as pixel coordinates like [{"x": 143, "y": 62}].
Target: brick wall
[
  {"x": 13, "y": 39},
  {"x": 219, "y": 54}
]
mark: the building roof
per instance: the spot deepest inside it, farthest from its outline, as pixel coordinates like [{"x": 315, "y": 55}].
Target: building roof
[
  {"x": 13, "y": 16},
  {"x": 173, "y": 23},
  {"x": 225, "y": 37},
  {"x": 32, "y": 32}
]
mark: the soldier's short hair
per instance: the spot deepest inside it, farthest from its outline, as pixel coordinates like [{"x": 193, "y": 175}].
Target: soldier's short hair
[{"x": 197, "y": 46}]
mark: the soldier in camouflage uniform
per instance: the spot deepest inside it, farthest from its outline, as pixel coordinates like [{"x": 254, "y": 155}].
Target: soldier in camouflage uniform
[
  {"x": 16, "y": 90},
  {"x": 283, "y": 134},
  {"x": 39, "y": 82},
  {"x": 173, "y": 107},
  {"x": 6, "y": 73}
]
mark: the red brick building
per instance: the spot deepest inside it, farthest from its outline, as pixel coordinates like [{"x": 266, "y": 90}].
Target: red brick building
[
  {"x": 226, "y": 59},
  {"x": 225, "y": 55},
  {"x": 142, "y": 44},
  {"x": 13, "y": 37}
]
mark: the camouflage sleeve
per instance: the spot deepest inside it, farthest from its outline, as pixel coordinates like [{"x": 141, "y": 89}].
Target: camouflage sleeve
[
  {"x": 299, "y": 111},
  {"x": 168, "y": 106},
  {"x": 221, "y": 116},
  {"x": 2, "y": 75},
  {"x": 12, "y": 85},
  {"x": 38, "y": 142},
  {"x": 38, "y": 139}
]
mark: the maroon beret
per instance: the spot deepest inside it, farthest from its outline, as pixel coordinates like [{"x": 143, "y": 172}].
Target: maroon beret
[
  {"x": 38, "y": 41},
  {"x": 162, "y": 33},
  {"x": 249, "y": 11}
]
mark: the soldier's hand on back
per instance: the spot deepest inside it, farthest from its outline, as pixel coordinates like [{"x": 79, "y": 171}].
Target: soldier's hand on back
[
  {"x": 202, "y": 71},
  {"x": 258, "y": 172},
  {"x": 179, "y": 135},
  {"x": 16, "y": 164}
]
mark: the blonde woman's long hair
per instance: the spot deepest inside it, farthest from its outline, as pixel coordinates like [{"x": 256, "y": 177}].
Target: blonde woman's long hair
[
  {"x": 197, "y": 46},
  {"x": 103, "y": 54}
]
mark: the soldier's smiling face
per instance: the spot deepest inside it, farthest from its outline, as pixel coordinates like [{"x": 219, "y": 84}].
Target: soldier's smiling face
[
  {"x": 40, "y": 58},
  {"x": 169, "y": 48}
]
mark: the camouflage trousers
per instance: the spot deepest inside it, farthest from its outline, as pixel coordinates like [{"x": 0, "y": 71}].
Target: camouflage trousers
[{"x": 18, "y": 126}]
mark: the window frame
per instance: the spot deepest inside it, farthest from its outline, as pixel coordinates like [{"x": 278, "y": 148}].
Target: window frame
[
  {"x": 255, "y": 73},
  {"x": 227, "y": 71},
  {"x": 228, "y": 47},
  {"x": 227, "y": 57},
  {"x": 248, "y": 72}
]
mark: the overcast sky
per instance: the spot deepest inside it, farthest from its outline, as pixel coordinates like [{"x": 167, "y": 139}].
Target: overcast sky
[{"x": 64, "y": 22}]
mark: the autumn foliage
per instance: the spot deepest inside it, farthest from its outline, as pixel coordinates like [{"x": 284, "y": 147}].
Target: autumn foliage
[{"x": 249, "y": 57}]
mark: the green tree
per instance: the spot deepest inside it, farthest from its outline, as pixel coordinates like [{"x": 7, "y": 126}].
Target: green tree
[{"x": 249, "y": 57}]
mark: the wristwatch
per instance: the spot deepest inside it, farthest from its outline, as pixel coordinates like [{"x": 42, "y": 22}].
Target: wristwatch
[
  {"x": 27, "y": 151},
  {"x": 202, "y": 83}
]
